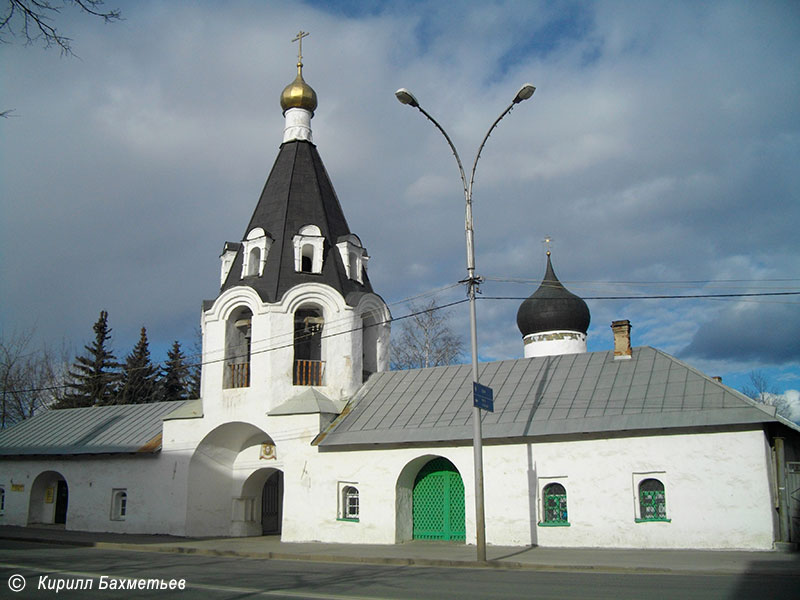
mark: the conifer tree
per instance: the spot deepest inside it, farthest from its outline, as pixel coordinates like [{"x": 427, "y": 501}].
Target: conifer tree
[
  {"x": 139, "y": 381},
  {"x": 175, "y": 381},
  {"x": 195, "y": 366},
  {"x": 93, "y": 376}
]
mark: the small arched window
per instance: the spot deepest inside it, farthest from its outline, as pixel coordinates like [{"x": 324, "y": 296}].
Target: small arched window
[
  {"x": 652, "y": 500},
  {"x": 307, "y": 260},
  {"x": 254, "y": 262},
  {"x": 254, "y": 252},
  {"x": 554, "y": 505},
  {"x": 350, "y": 503},
  {"x": 119, "y": 505},
  {"x": 354, "y": 256},
  {"x": 308, "y": 249}
]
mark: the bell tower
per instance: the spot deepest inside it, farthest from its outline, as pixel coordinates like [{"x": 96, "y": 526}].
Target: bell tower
[{"x": 296, "y": 309}]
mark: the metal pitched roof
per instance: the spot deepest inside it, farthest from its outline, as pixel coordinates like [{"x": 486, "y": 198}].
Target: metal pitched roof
[
  {"x": 93, "y": 430},
  {"x": 552, "y": 395},
  {"x": 306, "y": 402},
  {"x": 298, "y": 192}
]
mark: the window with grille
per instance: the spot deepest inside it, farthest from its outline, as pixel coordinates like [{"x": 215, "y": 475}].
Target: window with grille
[
  {"x": 652, "y": 501},
  {"x": 348, "y": 502},
  {"x": 554, "y": 505}
]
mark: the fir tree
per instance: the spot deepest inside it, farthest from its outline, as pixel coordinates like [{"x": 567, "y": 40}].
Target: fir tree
[
  {"x": 139, "y": 382},
  {"x": 175, "y": 381},
  {"x": 195, "y": 366},
  {"x": 93, "y": 376}
]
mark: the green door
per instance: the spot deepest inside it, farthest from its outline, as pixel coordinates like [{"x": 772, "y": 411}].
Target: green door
[{"x": 438, "y": 507}]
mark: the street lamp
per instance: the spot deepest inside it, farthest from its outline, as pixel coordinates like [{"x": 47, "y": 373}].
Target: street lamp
[{"x": 472, "y": 282}]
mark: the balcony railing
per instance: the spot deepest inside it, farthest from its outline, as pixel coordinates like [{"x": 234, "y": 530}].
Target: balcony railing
[
  {"x": 239, "y": 375},
  {"x": 308, "y": 372}
]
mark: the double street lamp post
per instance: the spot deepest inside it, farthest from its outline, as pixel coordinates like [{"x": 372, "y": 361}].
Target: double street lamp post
[{"x": 472, "y": 281}]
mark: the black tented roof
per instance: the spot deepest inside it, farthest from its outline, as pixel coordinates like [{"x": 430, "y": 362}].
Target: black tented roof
[{"x": 298, "y": 192}]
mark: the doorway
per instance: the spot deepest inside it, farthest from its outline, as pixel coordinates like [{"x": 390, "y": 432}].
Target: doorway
[
  {"x": 62, "y": 499},
  {"x": 272, "y": 504},
  {"x": 438, "y": 502}
]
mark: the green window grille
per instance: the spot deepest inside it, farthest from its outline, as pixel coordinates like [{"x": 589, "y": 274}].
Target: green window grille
[
  {"x": 652, "y": 500},
  {"x": 438, "y": 502},
  {"x": 555, "y": 505}
]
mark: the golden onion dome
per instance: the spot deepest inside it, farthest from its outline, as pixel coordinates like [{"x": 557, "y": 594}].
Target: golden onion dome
[{"x": 299, "y": 94}]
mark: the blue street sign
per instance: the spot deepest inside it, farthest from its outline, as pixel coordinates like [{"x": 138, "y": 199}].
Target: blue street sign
[{"x": 482, "y": 397}]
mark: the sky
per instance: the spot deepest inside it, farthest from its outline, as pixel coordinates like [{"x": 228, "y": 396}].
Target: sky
[{"x": 660, "y": 153}]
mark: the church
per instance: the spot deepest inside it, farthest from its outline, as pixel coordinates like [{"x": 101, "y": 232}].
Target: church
[{"x": 302, "y": 431}]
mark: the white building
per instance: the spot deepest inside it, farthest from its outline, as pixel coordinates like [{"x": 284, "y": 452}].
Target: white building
[{"x": 301, "y": 430}]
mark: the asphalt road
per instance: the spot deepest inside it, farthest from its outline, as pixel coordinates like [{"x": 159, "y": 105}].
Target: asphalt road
[{"x": 111, "y": 574}]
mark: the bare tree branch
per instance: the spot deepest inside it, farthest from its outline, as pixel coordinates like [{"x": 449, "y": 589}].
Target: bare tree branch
[
  {"x": 425, "y": 339},
  {"x": 30, "y": 380},
  {"x": 33, "y": 21}
]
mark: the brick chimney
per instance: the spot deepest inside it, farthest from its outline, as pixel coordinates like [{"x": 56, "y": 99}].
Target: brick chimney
[{"x": 622, "y": 339}]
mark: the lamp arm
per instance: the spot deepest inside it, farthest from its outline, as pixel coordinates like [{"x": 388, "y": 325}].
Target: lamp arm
[
  {"x": 480, "y": 149},
  {"x": 452, "y": 147}
]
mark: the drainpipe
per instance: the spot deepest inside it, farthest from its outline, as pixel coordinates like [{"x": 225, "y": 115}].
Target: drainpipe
[{"x": 783, "y": 497}]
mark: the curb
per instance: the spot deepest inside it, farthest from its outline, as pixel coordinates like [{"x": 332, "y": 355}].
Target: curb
[
  {"x": 392, "y": 561},
  {"x": 54, "y": 541}
]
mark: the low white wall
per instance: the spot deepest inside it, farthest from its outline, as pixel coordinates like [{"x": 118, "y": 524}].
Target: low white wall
[
  {"x": 717, "y": 492},
  {"x": 717, "y": 488},
  {"x": 155, "y": 487}
]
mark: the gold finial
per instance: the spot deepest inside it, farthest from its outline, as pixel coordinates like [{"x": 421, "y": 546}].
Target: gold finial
[
  {"x": 547, "y": 241},
  {"x": 299, "y": 94},
  {"x": 299, "y": 38}
]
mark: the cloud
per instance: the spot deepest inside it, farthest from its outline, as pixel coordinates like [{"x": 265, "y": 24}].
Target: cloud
[
  {"x": 791, "y": 400},
  {"x": 759, "y": 332},
  {"x": 660, "y": 147}
]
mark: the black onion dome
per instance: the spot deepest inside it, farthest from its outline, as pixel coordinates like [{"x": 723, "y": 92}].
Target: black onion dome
[{"x": 552, "y": 308}]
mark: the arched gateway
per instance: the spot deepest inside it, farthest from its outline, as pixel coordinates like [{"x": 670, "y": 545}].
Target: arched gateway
[
  {"x": 231, "y": 489},
  {"x": 438, "y": 502}
]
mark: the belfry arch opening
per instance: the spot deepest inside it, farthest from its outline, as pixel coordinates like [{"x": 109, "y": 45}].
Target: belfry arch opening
[
  {"x": 308, "y": 364},
  {"x": 369, "y": 344},
  {"x": 238, "y": 331}
]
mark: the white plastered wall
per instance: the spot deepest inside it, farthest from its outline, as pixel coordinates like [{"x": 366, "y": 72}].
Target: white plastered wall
[
  {"x": 717, "y": 492},
  {"x": 272, "y": 352},
  {"x": 155, "y": 486}
]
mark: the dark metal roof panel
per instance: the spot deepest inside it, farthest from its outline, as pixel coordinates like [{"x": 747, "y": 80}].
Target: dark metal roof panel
[
  {"x": 92, "y": 430},
  {"x": 545, "y": 396},
  {"x": 298, "y": 192}
]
